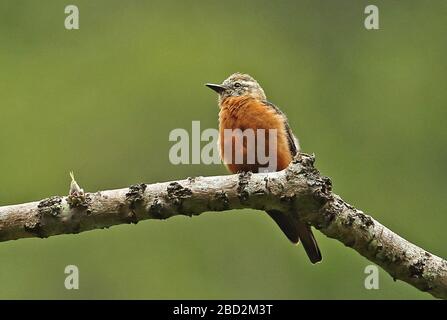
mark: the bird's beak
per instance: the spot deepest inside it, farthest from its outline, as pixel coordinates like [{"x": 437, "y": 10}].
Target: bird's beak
[{"x": 216, "y": 87}]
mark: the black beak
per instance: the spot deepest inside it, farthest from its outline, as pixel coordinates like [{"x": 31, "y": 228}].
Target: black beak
[{"x": 216, "y": 87}]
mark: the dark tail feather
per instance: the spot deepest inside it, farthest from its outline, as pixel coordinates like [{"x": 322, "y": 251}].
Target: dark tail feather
[
  {"x": 295, "y": 231},
  {"x": 309, "y": 243},
  {"x": 286, "y": 223}
]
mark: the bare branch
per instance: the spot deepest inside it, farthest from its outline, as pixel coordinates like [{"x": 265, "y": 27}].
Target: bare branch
[{"x": 300, "y": 188}]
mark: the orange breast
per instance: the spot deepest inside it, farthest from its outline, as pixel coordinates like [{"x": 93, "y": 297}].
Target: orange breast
[{"x": 239, "y": 153}]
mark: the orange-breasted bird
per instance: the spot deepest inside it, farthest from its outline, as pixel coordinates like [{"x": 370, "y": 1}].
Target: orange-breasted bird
[{"x": 243, "y": 105}]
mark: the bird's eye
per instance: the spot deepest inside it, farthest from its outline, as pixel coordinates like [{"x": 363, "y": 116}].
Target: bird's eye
[{"x": 237, "y": 85}]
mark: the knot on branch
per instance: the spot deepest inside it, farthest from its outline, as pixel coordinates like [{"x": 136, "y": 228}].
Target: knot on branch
[
  {"x": 50, "y": 206},
  {"x": 177, "y": 194},
  {"x": 47, "y": 209},
  {"x": 134, "y": 197},
  {"x": 305, "y": 160},
  {"x": 156, "y": 209},
  {"x": 417, "y": 268},
  {"x": 135, "y": 194},
  {"x": 223, "y": 203},
  {"x": 243, "y": 180},
  {"x": 80, "y": 201},
  {"x": 302, "y": 166}
]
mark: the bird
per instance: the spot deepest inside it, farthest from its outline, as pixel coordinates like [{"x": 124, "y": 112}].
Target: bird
[{"x": 243, "y": 105}]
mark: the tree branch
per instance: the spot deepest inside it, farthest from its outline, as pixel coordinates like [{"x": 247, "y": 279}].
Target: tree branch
[{"x": 299, "y": 188}]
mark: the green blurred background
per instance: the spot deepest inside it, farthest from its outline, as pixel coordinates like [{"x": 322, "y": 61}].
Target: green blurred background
[{"x": 102, "y": 100}]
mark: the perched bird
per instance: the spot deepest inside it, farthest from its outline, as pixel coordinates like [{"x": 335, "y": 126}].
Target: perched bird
[{"x": 243, "y": 105}]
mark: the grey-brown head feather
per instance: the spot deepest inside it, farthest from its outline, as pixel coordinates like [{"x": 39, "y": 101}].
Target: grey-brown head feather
[{"x": 241, "y": 84}]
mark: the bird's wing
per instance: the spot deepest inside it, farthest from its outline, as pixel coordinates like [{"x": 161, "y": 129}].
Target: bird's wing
[
  {"x": 286, "y": 223},
  {"x": 292, "y": 140}
]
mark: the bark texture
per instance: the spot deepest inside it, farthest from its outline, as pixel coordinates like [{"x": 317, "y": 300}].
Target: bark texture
[{"x": 299, "y": 188}]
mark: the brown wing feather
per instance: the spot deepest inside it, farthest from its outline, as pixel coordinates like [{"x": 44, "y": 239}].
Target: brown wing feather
[
  {"x": 286, "y": 224},
  {"x": 291, "y": 139},
  {"x": 309, "y": 243}
]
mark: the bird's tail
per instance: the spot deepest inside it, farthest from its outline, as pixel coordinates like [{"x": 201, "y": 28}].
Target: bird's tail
[
  {"x": 310, "y": 245},
  {"x": 295, "y": 231}
]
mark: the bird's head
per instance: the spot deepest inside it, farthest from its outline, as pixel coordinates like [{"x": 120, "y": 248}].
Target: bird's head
[{"x": 237, "y": 85}]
